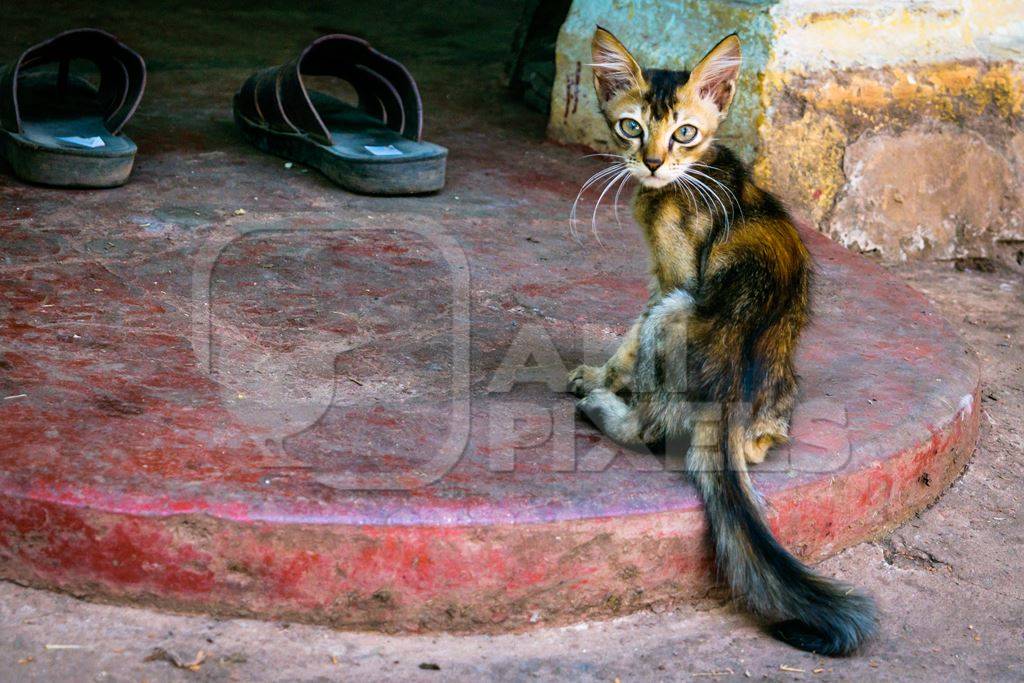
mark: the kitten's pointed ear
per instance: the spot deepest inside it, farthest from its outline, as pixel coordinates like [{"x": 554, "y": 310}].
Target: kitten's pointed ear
[
  {"x": 615, "y": 70},
  {"x": 715, "y": 75}
]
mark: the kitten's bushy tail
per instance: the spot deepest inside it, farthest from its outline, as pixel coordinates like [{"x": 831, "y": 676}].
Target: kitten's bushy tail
[{"x": 812, "y": 613}]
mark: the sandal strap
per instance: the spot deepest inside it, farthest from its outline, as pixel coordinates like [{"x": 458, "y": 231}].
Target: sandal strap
[
  {"x": 122, "y": 74},
  {"x": 278, "y": 98}
]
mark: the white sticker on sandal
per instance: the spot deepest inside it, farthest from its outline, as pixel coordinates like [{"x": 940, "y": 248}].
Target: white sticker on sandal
[
  {"x": 384, "y": 151},
  {"x": 92, "y": 142}
]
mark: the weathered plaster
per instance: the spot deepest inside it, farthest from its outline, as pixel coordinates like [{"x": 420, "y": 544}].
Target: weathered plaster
[
  {"x": 952, "y": 91},
  {"x": 840, "y": 35},
  {"x": 913, "y": 193},
  {"x": 806, "y": 160}
]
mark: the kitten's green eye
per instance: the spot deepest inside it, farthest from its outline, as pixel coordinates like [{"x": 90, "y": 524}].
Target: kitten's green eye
[
  {"x": 630, "y": 128},
  {"x": 685, "y": 135}
]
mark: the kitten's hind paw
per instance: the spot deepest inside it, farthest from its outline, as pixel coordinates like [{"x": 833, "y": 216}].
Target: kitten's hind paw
[
  {"x": 756, "y": 449},
  {"x": 611, "y": 416}
]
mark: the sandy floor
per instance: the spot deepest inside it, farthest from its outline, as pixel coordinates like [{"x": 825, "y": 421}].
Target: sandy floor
[{"x": 949, "y": 584}]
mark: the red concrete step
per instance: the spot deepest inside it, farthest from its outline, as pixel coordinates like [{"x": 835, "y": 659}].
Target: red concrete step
[{"x": 294, "y": 419}]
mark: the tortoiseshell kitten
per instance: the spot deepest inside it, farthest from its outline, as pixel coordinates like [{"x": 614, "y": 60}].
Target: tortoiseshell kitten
[{"x": 709, "y": 364}]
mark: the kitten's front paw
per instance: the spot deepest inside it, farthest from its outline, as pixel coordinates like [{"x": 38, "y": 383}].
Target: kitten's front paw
[
  {"x": 599, "y": 406},
  {"x": 585, "y": 379}
]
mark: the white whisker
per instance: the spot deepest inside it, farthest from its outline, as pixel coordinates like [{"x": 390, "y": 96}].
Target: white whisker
[
  {"x": 679, "y": 182},
  {"x": 714, "y": 197},
  {"x": 615, "y": 204},
  {"x": 725, "y": 209},
  {"x": 614, "y": 168},
  {"x": 702, "y": 190},
  {"x": 725, "y": 187},
  {"x": 684, "y": 183},
  {"x": 608, "y": 186}
]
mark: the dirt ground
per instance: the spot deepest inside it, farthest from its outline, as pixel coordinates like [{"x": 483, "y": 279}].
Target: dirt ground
[{"x": 948, "y": 583}]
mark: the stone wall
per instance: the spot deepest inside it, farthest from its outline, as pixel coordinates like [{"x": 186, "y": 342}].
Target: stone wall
[{"x": 896, "y": 126}]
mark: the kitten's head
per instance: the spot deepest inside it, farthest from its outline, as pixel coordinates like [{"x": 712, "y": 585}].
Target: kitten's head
[{"x": 663, "y": 121}]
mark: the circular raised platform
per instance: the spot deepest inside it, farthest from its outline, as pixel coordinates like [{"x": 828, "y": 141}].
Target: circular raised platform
[{"x": 319, "y": 420}]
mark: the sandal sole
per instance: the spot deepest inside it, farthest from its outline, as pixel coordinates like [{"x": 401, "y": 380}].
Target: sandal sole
[
  {"x": 372, "y": 177},
  {"x": 63, "y": 167}
]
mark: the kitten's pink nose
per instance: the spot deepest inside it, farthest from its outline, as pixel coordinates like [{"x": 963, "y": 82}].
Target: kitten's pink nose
[{"x": 653, "y": 163}]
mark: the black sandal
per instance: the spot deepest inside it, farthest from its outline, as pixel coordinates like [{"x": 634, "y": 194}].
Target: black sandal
[
  {"x": 58, "y": 129},
  {"x": 373, "y": 149}
]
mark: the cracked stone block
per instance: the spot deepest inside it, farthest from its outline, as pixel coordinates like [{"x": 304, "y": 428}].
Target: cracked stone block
[
  {"x": 913, "y": 193},
  {"x": 907, "y": 92}
]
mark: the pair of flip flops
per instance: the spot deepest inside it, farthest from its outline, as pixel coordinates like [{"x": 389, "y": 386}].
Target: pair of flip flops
[{"x": 57, "y": 128}]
